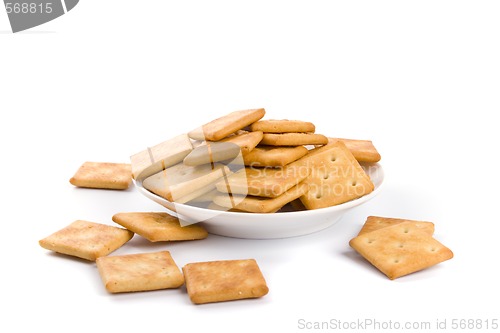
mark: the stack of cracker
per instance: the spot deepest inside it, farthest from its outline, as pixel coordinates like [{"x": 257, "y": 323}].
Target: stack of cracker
[
  {"x": 240, "y": 162},
  {"x": 399, "y": 247}
]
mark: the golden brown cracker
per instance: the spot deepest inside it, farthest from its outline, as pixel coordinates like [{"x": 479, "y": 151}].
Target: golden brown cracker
[
  {"x": 363, "y": 150},
  {"x": 87, "y": 240},
  {"x": 254, "y": 204},
  {"x": 160, "y": 156},
  {"x": 377, "y": 222},
  {"x": 335, "y": 177},
  {"x": 139, "y": 272},
  {"x": 225, "y": 280},
  {"x": 283, "y": 126},
  {"x": 102, "y": 175},
  {"x": 263, "y": 182},
  {"x": 221, "y": 127},
  {"x": 271, "y": 156},
  {"x": 400, "y": 249},
  {"x": 159, "y": 227},
  {"x": 223, "y": 150},
  {"x": 293, "y": 139}
]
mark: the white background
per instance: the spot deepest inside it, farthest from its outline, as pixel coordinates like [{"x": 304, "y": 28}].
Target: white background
[{"x": 421, "y": 79}]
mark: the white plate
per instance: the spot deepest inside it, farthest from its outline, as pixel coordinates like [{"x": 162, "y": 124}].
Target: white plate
[{"x": 267, "y": 226}]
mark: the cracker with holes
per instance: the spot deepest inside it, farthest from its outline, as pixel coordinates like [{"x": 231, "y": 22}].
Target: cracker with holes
[
  {"x": 160, "y": 156},
  {"x": 225, "y": 280},
  {"x": 377, "y": 222},
  {"x": 222, "y": 127},
  {"x": 255, "y": 204},
  {"x": 102, "y": 175},
  {"x": 283, "y": 126},
  {"x": 293, "y": 139},
  {"x": 335, "y": 177},
  {"x": 270, "y": 156},
  {"x": 400, "y": 249},
  {"x": 159, "y": 227},
  {"x": 86, "y": 240},
  {"x": 265, "y": 182},
  {"x": 181, "y": 183},
  {"x": 139, "y": 272},
  {"x": 223, "y": 150}
]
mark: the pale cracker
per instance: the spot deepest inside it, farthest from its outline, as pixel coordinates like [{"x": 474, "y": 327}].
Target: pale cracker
[
  {"x": 363, "y": 150},
  {"x": 159, "y": 227},
  {"x": 335, "y": 177},
  {"x": 255, "y": 204},
  {"x": 114, "y": 176},
  {"x": 271, "y": 156},
  {"x": 376, "y": 222},
  {"x": 87, "y": 240},
  {"x": 160, "y": 156},
  {"x": 206, "y": 197},
  {"x": 263, "y": 182},
  {"x": 139, "y": 272},
  {"x": 283, "y": 126},
  {"x": 293, "y": 139},
  {"x": 214, "y": 206},
  {"x": 180, "y": 180},
  {"x": 226, "y": 149},
  {"x": 225, "y": 280},
  {"x": 400, "y": 249},
  {"x": 222, "y": 127}
]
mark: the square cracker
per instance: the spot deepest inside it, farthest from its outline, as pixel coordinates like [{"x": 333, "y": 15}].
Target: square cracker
[
  {"x": 114, "y": 176},
  {"x": 223, "y": 150},
  {"x": 221, "y": 127},
  {"x": 262, "y": 182},
  {"x": 400, "y": 249},
  {"x": 376, "y": 222},
  {"x": 139, "y": 272},
  {"x": 225, "y": 280},
  {"x": 87, "y": 240},
  {"x": 335, "y": 177},
  {"x": 180, "y": 181},
  {"x": 269, "y": 156},
  {"x": 255, "y": 204},
  {"x": 159, "y": 227},
  {"x": 363, "y": 150},
  {"x": 283, "y": 126},
  {"x": 293, "y": 139},
  {"x": 160, "y": 156}
]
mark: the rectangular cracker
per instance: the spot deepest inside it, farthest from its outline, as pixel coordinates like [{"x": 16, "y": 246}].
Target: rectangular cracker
[
  {"x": 335, "y": 177},
  {"x": 159, "y": 227},
  {"x": 87, "y": 240},
  {"x": 214, "y": 206},
  {"x": 363, "y": 150},
  {"x": 272, "y": 156},
  {"x": 400, "y": 249},
  {"x": 224, "y": 280},
  {"x": 283, "y": 126},
  {"x": 293, "y": 139},
  {"x": 262, "y": 182},
  {"x": 113, "y": 176},
  {"x": 160, "y": 156},
  {"x": 179, "y": 181},
  {"x": 223, "y": 150},
  {"x": 377, "y": 222},
  {"x": 139, "y": 272},
  {"x": 255, "y": 204},
  {"x": 221, "y": 127}
]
